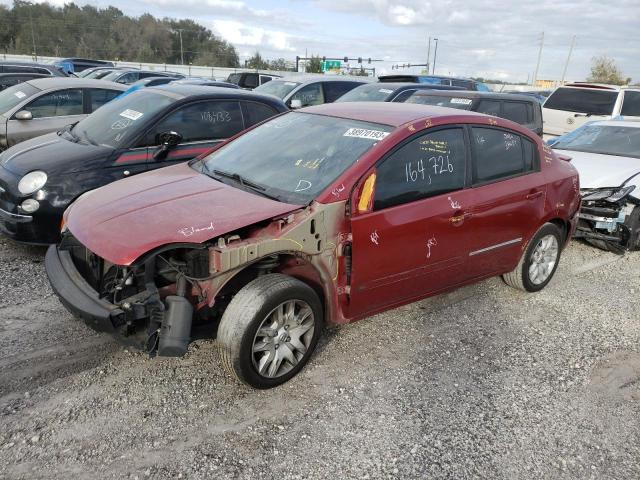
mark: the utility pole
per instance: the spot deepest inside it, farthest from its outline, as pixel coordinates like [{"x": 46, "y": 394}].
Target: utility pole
[
  {"x": 435, "y": 55},
  {"x": 535, "y": 74},
  {"x": 428, "y": 54},
  {"x": 33, "y": 37},
  {"x": 181, "y": 49},
  {"x": 566, "y": 65}
]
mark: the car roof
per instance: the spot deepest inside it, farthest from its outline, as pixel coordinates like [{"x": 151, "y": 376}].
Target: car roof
[
  {"x": 302, "y": 79},
  {"x": 417, "y": 75},
  {"x": 73, "y": 82},
  {"x": 185, "y": 90},
  {"x": 412, "y": 85},
  {"x": 617, "y": 123},
  {"x": 599, "y": 86},
  {"x": 387, "y": 113},
  {"x": 474, "y": 94}
]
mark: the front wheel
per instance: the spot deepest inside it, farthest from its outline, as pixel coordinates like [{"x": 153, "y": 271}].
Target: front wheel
[
  {"x": 539, "y": 261},
  {"x": 269, "y": 330}
]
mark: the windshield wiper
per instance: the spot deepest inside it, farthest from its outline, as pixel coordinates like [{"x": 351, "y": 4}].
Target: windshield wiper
[{"x": 245, "y": 183}]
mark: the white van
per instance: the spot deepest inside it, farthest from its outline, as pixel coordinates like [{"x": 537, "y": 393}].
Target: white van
[{"x": 574, "y": 104}]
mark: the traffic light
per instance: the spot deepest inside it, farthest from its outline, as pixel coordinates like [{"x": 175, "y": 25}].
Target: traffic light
[
  {"x": 359, "y": 59},
  {"x": 324, "y": 59},
  {"x": 346, "y": 59},
  {"x": 369, "y": 60}
]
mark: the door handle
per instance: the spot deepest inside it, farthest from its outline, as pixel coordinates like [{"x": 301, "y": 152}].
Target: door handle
[
  {"x": 458, "y": 219},
  {"x": 534, "y": 195}
]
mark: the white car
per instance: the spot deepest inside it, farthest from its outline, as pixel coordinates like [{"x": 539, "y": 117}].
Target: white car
[
  {"x": 574, "y": 104},
  {"x": 607, "y": 156}
]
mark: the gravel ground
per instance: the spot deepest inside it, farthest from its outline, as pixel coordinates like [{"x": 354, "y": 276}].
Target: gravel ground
[{"x": 484, "y": 382}]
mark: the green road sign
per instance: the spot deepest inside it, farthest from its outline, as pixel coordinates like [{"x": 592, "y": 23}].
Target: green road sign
[{"x": 331, "y": 65}]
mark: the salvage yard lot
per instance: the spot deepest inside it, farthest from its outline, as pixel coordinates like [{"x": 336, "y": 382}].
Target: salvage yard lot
[{"x": 485, "y": 382}]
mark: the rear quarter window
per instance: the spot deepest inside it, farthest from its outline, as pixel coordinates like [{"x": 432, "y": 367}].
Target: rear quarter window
[{"x": 582, "y": 100}]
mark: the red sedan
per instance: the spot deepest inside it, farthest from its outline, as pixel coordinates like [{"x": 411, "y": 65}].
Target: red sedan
[{"x": 328, "y": 214}]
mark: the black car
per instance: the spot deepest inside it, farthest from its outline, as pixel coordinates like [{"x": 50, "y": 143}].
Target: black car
[
  {"x": 147, "y": 129},
  {"x": 10, "y": 79},
  {"x": 522, "y": 109},
  {"x": 466, "y": 83},
  {"x": 8, "y": 66},
  {"x": 388, "y": 92},
  {"x": 251, "y": 80}
]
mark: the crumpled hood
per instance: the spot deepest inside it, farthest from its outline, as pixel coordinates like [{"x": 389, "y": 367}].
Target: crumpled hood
[
  {"x": 597, "y": 170},
  {"x": 126, "y": 219},
  {"x": 54, "y": 155}
]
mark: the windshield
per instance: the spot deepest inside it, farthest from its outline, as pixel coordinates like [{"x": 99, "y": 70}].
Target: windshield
[
  {"x": 12, "y": 96},
  {"x": 279, "y": 88},
  {"x": 582, "y": 100},
  {"x": 297, "y": 155},
  {"x": 606, "y": 139},
  {"x": 112, "y": 75},
  {"x": 374, "y": 92},
  {"x": 441, "y": 101},
  {"x": 115, "y": 123}
]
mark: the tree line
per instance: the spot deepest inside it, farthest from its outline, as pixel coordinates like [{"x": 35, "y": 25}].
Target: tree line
[{"x": 107, "y": 33}]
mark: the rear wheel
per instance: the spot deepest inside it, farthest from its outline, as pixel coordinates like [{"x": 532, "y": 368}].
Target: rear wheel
[
  {"x": 539, "y": 261},
  {"x": 269, "y": 330}
]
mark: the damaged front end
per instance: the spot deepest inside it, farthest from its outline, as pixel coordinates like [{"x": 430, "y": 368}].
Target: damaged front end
[
  {"x": 606, "y": 218},
  {"x": 149, "y": 305},
  {"x": 178, "y": 292}
]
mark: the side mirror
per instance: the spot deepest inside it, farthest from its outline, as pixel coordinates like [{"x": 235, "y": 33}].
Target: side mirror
[
  {"x": 23, "y": 115},
  {"x": 167, "y": 141},
  {"x": 296, "y": 103}
]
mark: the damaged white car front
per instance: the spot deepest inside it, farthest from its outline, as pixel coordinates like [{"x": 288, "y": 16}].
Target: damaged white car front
[{"x": 607, "y": 156}]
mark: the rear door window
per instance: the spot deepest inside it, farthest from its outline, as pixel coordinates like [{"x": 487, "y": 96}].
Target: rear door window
[
  {"x": 100, "y": 96},
  {"x": 251, "y": 81},
  {"x": 210, "y": 120},
  {"x": 489, "y": 107},
  {"x": 582, "y": 100},
  {"x": 516, "y": 112},
  {"x": 430, "y": 164},
  {"x": 631, "y": 104},
  {"x": 462, "y": 83},
  {"x": 255, "y": 112},
  {"x": 57, "y": 104},
  {"x": 500, "y": 154},
  {"x": 334, "y": 90}
]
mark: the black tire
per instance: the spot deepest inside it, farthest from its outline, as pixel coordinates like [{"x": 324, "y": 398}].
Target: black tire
[
  {"x": 520, "y": 277},
  {"x": 245, "y": 314},
  {"x": 633, "y": 223}
]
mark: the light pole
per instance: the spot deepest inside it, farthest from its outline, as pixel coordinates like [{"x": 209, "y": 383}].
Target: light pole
[{"x": 435, "y": 55}]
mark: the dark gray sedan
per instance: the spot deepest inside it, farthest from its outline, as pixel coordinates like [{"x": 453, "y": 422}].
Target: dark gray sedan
[{"x": 44, "y": 105}]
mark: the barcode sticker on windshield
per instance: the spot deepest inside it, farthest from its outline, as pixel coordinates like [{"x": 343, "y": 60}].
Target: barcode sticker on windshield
[
  {"x": 364, "y": 133},
  {"x": 461, "y": 101},
  {"x": 20, "y": 94},
  {"x": 131, "y": 114},
  {"x": 385, "y": 90}
]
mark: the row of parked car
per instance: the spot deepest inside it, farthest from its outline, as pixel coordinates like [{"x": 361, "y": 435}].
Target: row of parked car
[{"x": 181, "y": 210}]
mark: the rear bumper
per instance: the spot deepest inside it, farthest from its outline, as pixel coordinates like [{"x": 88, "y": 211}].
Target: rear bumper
[{"x": 77, "y": 295}]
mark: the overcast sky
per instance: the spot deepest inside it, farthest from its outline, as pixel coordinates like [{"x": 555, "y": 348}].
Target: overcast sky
[{"x": 476, "y": 38}]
